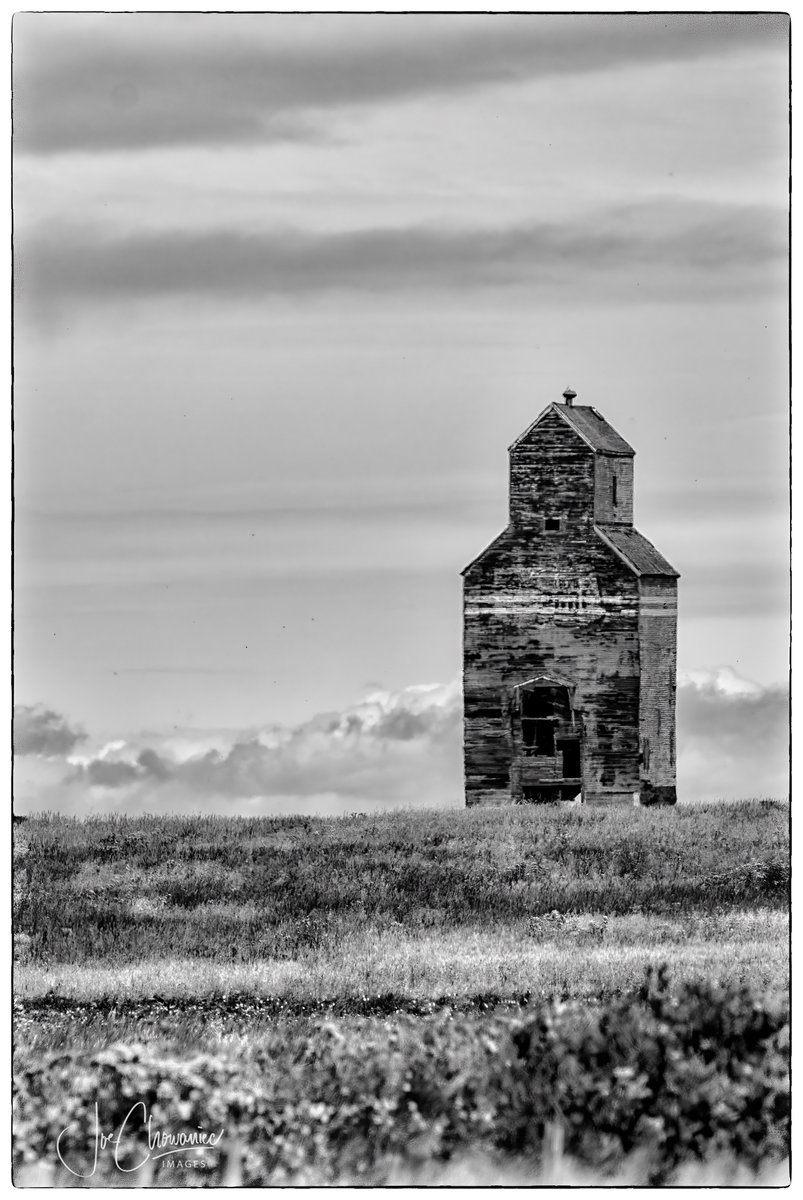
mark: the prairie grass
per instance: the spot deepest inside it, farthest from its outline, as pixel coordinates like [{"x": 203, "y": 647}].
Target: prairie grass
[
  {"x": 119, "y": 891},
  {"x": 475, "y": 1170},
  {"x": 468, "y": 1170},
  {"x": 578, "y": 957}
]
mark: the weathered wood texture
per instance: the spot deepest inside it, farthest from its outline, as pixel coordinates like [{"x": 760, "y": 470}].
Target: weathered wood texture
[
  {"x": 658, "y": 655},
  {"x": 550, "y": 598},
  {"x": 613, "y": 493}
]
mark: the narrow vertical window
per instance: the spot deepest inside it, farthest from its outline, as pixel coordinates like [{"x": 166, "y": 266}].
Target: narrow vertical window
[
  {"x": 545, "y": 738},
  {"x": 613, "y": 491}
]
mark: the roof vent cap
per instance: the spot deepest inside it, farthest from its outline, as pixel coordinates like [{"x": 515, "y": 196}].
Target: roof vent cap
[{"x": 569, "y": 396}]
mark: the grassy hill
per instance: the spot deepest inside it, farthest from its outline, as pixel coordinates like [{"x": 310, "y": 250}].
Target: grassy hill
[{"x": 371, "y": 999}]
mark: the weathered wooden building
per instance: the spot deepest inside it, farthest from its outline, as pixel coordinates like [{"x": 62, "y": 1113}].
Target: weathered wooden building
[{"x": 570, "y": 630}]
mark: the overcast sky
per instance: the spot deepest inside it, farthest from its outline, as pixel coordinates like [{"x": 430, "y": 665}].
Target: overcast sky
[{"x": 286, "y": 289}]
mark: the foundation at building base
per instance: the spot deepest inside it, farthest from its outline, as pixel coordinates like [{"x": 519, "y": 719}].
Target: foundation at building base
[{"x": 645, "y": 798}]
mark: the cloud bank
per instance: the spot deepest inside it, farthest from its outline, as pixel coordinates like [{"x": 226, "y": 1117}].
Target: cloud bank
[
  {"x": 42, "y": 732},
  {"x": 398, "y": 749},
  {"x": 134, "y": 81},
  {"x": 390, "y": 750},
  {"x": 733, "y": 736}
]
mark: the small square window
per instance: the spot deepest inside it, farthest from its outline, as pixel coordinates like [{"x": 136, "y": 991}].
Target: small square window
[{"x": 551, "y": 524}]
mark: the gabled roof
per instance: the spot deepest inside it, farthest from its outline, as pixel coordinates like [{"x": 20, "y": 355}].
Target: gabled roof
[
  {"x": 639, "y": 553},
  {"x": 589, "y": 424},
  {"x": 595, "y": 429}
]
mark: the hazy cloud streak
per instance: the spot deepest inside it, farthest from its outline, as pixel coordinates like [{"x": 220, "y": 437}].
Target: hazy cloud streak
[
  {"x": 647, "y": 249},
  {"x": 134, "y": 81}
]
